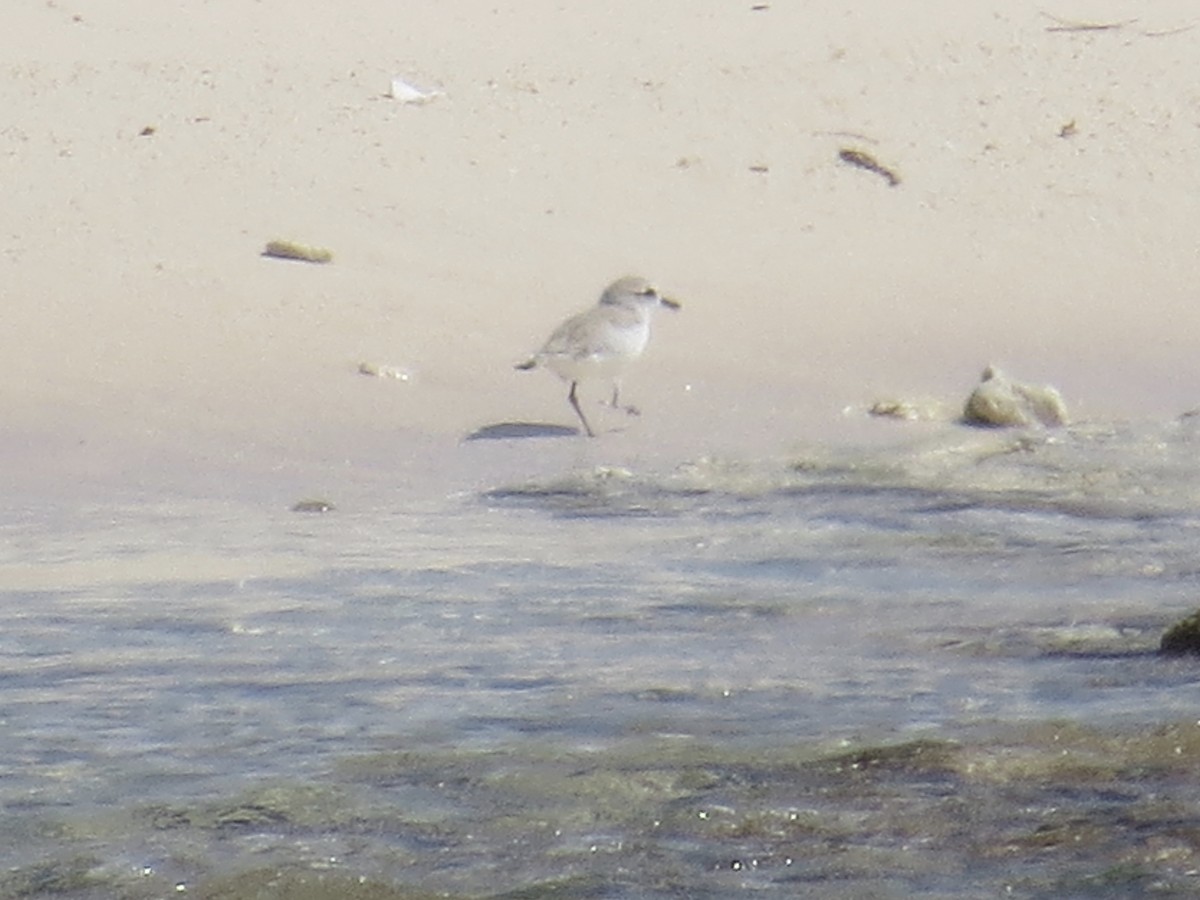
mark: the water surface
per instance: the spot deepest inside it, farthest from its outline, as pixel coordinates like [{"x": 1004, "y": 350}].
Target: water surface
[{"x": 851, "y": 673}]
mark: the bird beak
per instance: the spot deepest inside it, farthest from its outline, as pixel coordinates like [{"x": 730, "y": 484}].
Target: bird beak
[{"x": 669, "y": 303}]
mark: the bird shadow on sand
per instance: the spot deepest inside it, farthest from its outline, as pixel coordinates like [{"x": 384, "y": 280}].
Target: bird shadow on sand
[{"x": 502, "y": 431}]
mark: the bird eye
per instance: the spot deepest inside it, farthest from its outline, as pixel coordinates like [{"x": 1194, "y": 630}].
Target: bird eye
[{"x": 648, "y": 292}]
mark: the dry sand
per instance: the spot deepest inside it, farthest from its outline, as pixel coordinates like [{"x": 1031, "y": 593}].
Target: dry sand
[{"x": 1046, "y": 221}]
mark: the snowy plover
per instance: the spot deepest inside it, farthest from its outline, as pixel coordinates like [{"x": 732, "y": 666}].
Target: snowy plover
[{"x": 601, "y": 341}]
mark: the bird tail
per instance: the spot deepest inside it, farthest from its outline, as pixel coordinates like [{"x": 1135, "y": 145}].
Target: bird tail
[{"x": 530, "y": 363}]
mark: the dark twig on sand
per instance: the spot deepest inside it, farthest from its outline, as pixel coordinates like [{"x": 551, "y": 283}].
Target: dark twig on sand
[{"x": 865, "y": 160}]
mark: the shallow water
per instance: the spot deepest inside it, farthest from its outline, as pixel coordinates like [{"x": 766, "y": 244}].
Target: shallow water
[{"x": 619, "y": 683}]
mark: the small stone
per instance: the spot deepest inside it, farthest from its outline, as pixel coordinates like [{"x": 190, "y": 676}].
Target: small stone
[{"x": 313, "y": 506}]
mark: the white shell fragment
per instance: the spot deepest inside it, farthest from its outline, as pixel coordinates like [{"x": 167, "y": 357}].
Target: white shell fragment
[
  {"x": 407, "y": 93},
  {"x": 377, "y": 371}
]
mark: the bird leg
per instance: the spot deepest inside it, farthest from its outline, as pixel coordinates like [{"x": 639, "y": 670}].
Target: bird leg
[
  {"x": 616, "y": 401},
  {"x": 579, "y": 412}
]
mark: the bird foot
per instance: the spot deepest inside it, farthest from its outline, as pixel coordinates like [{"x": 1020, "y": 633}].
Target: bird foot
[{"x": 629, "y": 410}]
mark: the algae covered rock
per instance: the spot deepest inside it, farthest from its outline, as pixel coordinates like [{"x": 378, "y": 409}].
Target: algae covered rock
[
  {"x": 1183, "y": 637},
  {"x": 1000, "y": 402}
]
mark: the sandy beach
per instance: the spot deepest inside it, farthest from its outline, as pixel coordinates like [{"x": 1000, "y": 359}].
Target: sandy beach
[{"x": 1044, "y": 220}]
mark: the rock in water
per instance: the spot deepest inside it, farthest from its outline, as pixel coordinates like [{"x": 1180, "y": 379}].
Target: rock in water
[
  {"x": 1182, "y": 638},
  {"x": 999, "y": 402}
]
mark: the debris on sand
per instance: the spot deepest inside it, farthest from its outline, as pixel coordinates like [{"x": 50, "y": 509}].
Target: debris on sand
[
  {"x": 406, "y": 92},
  {"x": 291, "y": 250},
  {"x": 1078, "y": 25},
  {"x": 376, "y": 370},
  {"x": 864, "y": 160}
]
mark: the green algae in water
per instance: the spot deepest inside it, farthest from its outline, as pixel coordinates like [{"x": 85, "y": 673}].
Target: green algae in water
[
  {"x": 583, "y": 887},
  {"x": 273, "y": 884},
  {"x": 269, "y": 806},
  {"x": 914, "y": 757},
  {"x": 1041, "y": 807},
  {"x": 1067, "y": 753},
  {"x": 50, "y": 878}
]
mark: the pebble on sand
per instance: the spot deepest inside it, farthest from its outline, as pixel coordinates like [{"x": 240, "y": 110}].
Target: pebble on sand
[
  {"x": 299, "y": 252},
  {"x": 999, "y": 402}
]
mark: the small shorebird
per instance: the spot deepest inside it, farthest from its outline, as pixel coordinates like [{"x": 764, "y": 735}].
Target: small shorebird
[{"x": 601, "y": 341}]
